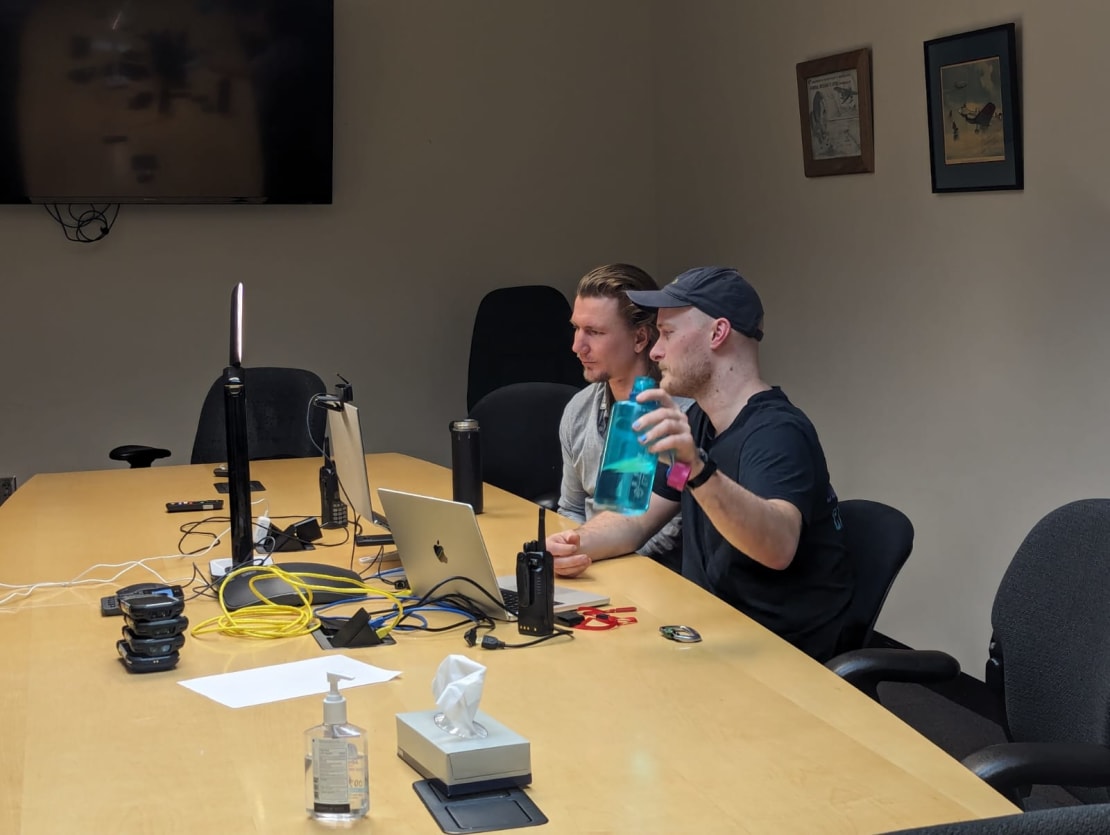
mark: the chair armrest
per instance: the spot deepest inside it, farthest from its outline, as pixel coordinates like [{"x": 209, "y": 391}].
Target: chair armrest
[
  {"x": 138, "y": 455},
  {"x": 866, "y": 668},
  {"x": 1011, "y": 767}
]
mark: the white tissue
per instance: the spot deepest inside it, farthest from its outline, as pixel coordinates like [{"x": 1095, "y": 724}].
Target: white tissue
[{"x": 457, "y": 689}]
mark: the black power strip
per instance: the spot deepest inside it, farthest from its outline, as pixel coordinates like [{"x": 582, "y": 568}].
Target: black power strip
[{"x": 370, "y": 540}]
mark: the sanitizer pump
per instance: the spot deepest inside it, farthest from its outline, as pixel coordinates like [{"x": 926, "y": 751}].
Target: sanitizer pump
[{"x": 335, "y": 767}]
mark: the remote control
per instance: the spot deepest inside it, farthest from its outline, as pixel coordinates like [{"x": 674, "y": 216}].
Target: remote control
[{"x": 202, "y": 504}]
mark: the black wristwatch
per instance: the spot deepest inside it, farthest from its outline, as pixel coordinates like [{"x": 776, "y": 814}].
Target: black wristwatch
[{"x": 708, "y": 467}]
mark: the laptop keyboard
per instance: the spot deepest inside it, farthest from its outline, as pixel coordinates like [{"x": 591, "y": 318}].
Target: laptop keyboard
[{"x": 512, "y": 601}]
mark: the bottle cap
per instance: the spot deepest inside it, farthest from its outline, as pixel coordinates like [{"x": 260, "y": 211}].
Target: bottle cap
[{"x": 642, "y": 384}]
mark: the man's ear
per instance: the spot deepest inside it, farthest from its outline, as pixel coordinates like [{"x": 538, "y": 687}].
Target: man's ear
[
  {"x": 721, "y": 329},
  {"x": 643, "y": 338}
]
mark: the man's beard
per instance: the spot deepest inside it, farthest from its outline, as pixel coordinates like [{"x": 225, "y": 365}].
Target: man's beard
[
  {"x": 595, "y": 376},
  {"x": 689, "y": 381}
]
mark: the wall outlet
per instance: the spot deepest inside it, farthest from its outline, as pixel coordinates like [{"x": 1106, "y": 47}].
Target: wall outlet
[{"x": 7, "y": 487}]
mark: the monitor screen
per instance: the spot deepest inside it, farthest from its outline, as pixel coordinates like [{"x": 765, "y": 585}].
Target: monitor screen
[{"x": 166, "y": 101}]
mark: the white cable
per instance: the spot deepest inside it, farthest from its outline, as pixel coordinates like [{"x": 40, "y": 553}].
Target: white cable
[{"x": 19, "y": 591}]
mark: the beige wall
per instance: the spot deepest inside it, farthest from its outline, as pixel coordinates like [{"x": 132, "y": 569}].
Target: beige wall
[
  {"x": 952, "y": 349},
  {"x": 477, "y": 145}
]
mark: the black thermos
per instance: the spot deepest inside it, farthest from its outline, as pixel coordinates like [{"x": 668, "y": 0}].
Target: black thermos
[{"x": 466, "y": 463}]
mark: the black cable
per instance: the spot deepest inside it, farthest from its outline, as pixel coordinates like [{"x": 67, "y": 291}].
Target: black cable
[
  {"x": 470, "y": 604},
  {"x": 454, "y": 600},
  {"x": 473, "y": 616},
  {"x": 316, "y": 543},
  {"x": 379, "y": 561},
  {"x": 490, "y": 642},
  {"x": 200, "y": 585},
  {"x": 308, "y": 422},
  {"x": 190, "y": 529},
  {"x": 96, "y": 215},
  {"x": 333, "y": 622}
]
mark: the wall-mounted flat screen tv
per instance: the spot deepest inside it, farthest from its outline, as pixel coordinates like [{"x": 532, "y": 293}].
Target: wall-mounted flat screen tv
[{"x": 166, "y": 101}]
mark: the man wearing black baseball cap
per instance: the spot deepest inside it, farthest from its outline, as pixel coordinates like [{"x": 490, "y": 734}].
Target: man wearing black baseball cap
[{"x": 761, "y": 527}]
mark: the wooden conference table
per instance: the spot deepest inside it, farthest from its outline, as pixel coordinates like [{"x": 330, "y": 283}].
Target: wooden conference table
[{"x": 629, "y": 732}]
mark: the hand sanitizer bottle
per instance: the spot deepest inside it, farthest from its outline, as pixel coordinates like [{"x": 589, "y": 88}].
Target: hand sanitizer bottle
[
  {"x": 336, "y": 775},
  {"x": 627, "y": 469}
]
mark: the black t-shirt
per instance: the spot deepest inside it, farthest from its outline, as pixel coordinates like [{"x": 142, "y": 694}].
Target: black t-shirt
[{"x": 772, "y": 450}]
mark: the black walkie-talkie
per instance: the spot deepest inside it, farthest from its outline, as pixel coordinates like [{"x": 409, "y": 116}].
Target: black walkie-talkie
[
  {"x": 535, "y": 586},
  {"x": 333, "y": 511}
]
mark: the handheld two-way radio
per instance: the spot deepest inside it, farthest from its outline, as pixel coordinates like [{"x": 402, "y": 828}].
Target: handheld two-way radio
[{"x": 535, "y": 586}]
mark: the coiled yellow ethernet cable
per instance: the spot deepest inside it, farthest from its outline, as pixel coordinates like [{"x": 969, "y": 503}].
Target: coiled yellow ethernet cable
[{"x": 269, "y": 620}]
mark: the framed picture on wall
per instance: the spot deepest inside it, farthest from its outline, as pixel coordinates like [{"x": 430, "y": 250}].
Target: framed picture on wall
[
  {"x": 834, "y": 102},
  {"x": 971, "y": 86}
]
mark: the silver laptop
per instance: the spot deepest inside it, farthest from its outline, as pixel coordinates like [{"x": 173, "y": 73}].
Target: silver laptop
[{"x": 437, "y": 539}]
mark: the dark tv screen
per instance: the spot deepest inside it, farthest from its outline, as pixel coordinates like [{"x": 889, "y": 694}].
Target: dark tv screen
[{"x": 166, "y": 101}]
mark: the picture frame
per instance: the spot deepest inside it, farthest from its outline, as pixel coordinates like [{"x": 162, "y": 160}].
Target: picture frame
[
  {"x": 974, "y": 106},
  {"x": 834, "y": 103}
]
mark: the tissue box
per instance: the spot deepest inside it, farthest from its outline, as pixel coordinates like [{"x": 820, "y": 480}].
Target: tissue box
[{"x": 499, "y": 760}]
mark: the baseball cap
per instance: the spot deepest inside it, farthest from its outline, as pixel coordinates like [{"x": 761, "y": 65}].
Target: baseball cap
[{"x": 720, "y": 292}]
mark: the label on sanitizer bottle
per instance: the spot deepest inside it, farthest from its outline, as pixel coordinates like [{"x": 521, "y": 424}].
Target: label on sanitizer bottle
[{"x": 330, "y": 781}]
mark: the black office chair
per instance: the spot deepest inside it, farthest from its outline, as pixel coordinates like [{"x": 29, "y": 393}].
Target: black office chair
[
  {"x": 521, "y": 334},
  {"x": 519, "y": 426},
  {"x": 279, "y": 422},
  {"x": 1049, "y": 665},
  {"x": 879, "y": 539},
  {"x": 138, "y": 455},
  {"x": 1070, "y": 820}
]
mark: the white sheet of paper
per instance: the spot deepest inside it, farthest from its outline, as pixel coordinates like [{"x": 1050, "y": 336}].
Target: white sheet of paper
[{"x": 285, "y": 681}]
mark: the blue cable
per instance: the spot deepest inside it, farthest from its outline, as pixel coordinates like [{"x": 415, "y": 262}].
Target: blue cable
[
  {"x": 415, "y": 612},
  {"x": 324, "y": 606},
  {"x": 381, "y": 620}
]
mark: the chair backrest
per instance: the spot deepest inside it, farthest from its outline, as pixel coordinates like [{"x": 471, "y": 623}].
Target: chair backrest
[
  {"x": 1067, "y": 820},
  {"x": 521, "y": 334},
  {"x": 1050, "y": 622},
  {"x": 879, "y": 539},
  {"x": 519, "y": 425},
  {"x": 278, "y": 418}
]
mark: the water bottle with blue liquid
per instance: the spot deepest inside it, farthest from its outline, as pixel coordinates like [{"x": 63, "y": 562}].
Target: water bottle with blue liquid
[{"x": 627, "y": 468}]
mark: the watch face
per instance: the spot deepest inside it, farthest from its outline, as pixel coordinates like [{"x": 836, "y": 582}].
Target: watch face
[{"x": 707, "y": 470}]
